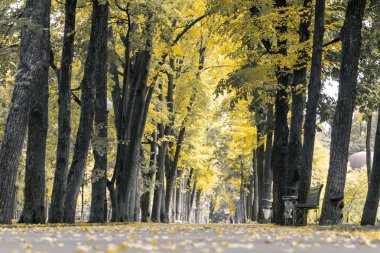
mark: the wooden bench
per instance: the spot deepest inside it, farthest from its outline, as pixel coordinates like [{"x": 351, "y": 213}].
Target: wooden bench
[{"x": 300, "y": 211}]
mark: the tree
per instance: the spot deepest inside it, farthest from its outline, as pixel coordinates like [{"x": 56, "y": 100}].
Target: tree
[
  {"x": 351, "y": 42},
  {"x": 298, "y": 103},
  {"x": 32, "y": 71},
  {"x": 281, "y": 129},
  {"x": 98, "y": 211},
  {"x": 372, "y": 201},
  {"x": 314, "y": 89},
  {"x": 64, "y": 120},
  {"x": 82, "y": 143}
]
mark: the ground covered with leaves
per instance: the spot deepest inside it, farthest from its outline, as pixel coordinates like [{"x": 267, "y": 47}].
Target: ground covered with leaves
[{"x": 114, "y": 238}]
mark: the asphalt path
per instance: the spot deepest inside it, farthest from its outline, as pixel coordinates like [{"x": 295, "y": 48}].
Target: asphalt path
[{"x": 114, "y": 238}]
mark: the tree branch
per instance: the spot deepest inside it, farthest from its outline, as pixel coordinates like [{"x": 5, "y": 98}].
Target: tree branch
[{"x": 336, "y": 40}]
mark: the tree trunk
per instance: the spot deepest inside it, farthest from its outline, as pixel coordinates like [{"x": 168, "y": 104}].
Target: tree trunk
[
  {"x": 191, "y": 201},
  {"x": 372, "y": 201},
  {"x": 340, "y": 137},
  {"x": 250, "y": 199},
  {"x": 268, "y": 174},
  {"x": 198, "y": 207},
  {"x": 298, "y": 105},
  {"x": 34, "y": 191},
  {"x": 281, "y": 134},
  {"x": 133, "y": 119},
  {"x": 368, "y": 147},
  {"x": 64, "y": 114},
  {"x": 260, "y": 170},
  {"x": 149, "y": 178},
  {"x": 100, "y": 143},
  {"x": 255, "y": 207},
  {"x": 314, "y": 90},
  {"x": 33, "y": 68},
  {"x": 82, "y": 144},
  {"x": 158, "y": 200}
]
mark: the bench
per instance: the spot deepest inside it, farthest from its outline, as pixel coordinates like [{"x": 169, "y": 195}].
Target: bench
[{"x": 312, "y": 203}]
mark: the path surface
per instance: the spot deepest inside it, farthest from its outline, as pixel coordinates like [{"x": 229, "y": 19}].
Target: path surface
[{"x": 185, "y": 238}]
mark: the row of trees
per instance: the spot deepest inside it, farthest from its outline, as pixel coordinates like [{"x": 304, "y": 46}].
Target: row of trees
[{"x": 173, "y": 139}]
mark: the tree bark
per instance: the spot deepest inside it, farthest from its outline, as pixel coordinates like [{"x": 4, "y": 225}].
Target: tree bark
[
  {"x": 368, "y": 147},
  {"x": 281, "y": 133},
  {"x": 372, "y": 201},
  {"x": 268, "y": 174},
  {"x": 191, "y": 200},
  {"x": 198, "y": 207},
  {"x": 158, "y": 199},
  {"x": 149, "y": 177},
  {"x": 351, "y": 42},
  {"x": 298, "y": 104},
  {"x": 85, "y": 129},
  {"x": 99, "y": 173},
  {"x": 314, "y": 90},
  {"x": 32, "y": 69},
  {"x": 255, "y": 207},
  {"x": 260, "y": 169},
  {"x": 133, "y": 117},
  {"x": 64, "y": 114},
  {"x": 34, "y": 190}
]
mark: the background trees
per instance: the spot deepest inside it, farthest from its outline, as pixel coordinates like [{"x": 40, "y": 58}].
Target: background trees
[{"x": 188, "y": 111}]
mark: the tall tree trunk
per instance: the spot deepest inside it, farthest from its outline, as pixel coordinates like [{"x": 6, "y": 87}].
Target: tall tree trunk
[
  {"x": 298, "y": 104},
  {"x": 268, "y": 174},
  {"x": 260, "y": 169},
  {"x": 372, "y": 201},
  {"x": 191, "y": 201},
  {"x": 281, "y": 133},
  {"x": 368, "y": 147},
  {"x": 340, "y": 137},
  {"x": 255, "y": 207},
  {"x": 34, "y": 191},
  {"x": 178, "y": 201},
  {"x": 116, "y": 102},
  {"x": 99, "y": 173},
  {"x": 32, "y": 69},
  {"x": 133, "y": 117},
  {"x": 158, "y": 199},
  {"x": 198, "y": 207},
  {"x": 149, "y": 178},
  {"x": 314, "y": 90},
  {"x": 82, "y": 143},
  {"x": 64, "y": 113},
  {"x": 250, "y": 199}
]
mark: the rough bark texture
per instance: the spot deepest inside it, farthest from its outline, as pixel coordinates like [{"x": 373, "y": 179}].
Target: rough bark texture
[
  {"x": 372, "y": 201},
  {"x": 82, "y": 143},
  {"x": 34, "y": 190},
  {"x": 368, "y": 147},
  {"x": 298, "y": 104},
  {"x": 149, "y": 179},
  {"x": 99, "y": 178},
  {"x": 158, "y": 199},
  {"x": 314, "y": 90},
  {"x": 351, "y": 42},
  {"x": 255, "y": 207},
  {"x": 32, "y": 69},
  {"x": 198, "y": 207},
  {"x": 260, "y": 168},
  {"x": 281, "y": 133},
  {"x": 64, "y": 122},
  {"x": 133, "y": 115},
  {"x": 268, "y": 174}
]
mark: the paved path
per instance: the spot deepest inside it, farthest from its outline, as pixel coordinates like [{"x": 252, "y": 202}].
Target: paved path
[{"x": 185, "y": 238}]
